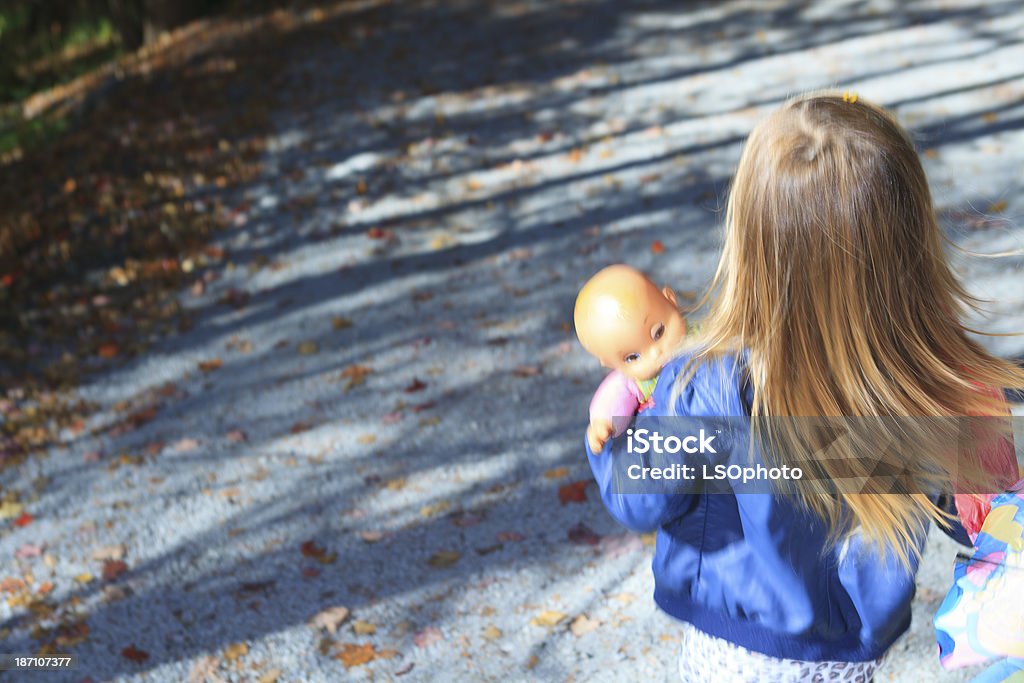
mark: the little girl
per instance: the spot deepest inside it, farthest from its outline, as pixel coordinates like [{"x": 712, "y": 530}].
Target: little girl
[{"x": 832, "y": 298}]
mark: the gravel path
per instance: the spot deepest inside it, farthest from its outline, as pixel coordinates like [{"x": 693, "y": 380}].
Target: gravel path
[{"x": 387, "y": 414}]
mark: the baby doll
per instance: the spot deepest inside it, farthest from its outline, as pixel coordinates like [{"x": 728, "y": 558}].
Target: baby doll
[{"x": 633, "y": 328}]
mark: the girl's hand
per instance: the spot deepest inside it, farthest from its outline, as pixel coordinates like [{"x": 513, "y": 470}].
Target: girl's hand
[{"x": 598, "y": 433}]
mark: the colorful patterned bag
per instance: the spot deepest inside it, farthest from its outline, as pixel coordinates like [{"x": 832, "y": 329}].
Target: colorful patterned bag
[{"x": 982, "y": 618}]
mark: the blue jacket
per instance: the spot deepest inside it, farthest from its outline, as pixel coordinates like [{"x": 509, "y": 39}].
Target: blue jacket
[{"x": 756, "y": 569}]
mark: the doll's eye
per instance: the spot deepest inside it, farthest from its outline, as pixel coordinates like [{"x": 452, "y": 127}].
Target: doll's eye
[
  {"x": 631, "y": 358},
  {"x": 657, "y": 331}
]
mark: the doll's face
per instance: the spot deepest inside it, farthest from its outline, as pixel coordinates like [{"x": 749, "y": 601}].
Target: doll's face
[{"x": 627, "y": 323}]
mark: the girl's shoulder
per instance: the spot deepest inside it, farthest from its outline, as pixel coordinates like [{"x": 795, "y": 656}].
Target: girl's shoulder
[{"x": 690, "y": 385}]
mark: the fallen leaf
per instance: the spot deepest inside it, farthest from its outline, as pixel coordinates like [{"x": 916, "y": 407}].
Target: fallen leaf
[
  {"x": 311, "y": 549},
  {"x": 549, "y": 618},
  {"x": 492, "y": 632},
  {"x": 356, "y": 655},
  {"x": 443, "y": 559},
  {"x": 581, "y": 534},
  {"x": 363, "y": 628},
  {"x": 623, "y": 598},
  {"x": 434, "y": 508},
  {"x": 235, "y": 651},
  {"x": 24, "y": 519},
  {"x": 108, "y": 552},
  {"x": 84, "y": 577},
  {"x": 467, "y": 519},
  {"x": 330, "y": 619},
  {"x": 371, "y": 536},
  {"x": 108, "y": 350},
  {"x": 300, "y": 427},
  {"x": 582, "y": 625},
  {"x": 205, "y": 671},
  {"x": 9, "y": 509},
  {"x": 237, "y": 436},
  {"x": 270, "y": 676},
  {"x": 185, "y": 445},
  {"x": 427, "y": 637},
  {"x": 526, "y": 371},
  {"x": 356, "y": 375},
  {"x": 557, "y": 473},
  {"x": 340, "y": 323},
  {"x": 573, "y": 493},
  {"x": 113, "y": 569},
  {"x": 134, "y": 654},
  {"x": 308, "y": 348},
  {"x": 211, "y": 365},
  {"x": 27, "y": 550},
  {"x": 414, "y": 386},
  {"x": 998, "y": 207},
  {"x": 657, "y": 247},
  {"x": 510, "y": 536}
]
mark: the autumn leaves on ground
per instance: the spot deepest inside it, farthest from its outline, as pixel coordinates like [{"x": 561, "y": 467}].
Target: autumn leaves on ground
[{"x": 289, "y": 387}]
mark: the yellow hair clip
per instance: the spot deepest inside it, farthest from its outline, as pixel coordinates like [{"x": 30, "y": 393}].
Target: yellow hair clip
[{"x": 850, "y": 97}]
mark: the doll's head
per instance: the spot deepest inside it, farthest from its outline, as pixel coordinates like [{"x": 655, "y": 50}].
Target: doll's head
[{"x": 627, "y": 323}]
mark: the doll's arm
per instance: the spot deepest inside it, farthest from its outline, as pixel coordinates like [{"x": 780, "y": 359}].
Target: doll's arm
[{"x": 616, "y": 402}]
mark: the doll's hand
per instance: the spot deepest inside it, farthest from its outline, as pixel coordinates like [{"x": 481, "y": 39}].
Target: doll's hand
[{"x": 598, "y": 434}]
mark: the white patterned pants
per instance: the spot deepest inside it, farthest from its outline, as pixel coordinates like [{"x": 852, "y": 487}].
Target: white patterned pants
[{"x": 705, "y": 658}]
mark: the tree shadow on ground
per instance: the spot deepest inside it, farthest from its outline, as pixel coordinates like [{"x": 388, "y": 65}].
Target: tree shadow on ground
[{"x": 447, "y": 266}]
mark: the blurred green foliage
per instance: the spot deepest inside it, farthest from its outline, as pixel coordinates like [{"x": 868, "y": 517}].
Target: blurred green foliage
[{"x": 46, "y": 43}]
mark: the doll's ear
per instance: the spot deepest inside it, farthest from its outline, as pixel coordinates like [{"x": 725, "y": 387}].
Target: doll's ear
[{"x": 670, "y": 295}]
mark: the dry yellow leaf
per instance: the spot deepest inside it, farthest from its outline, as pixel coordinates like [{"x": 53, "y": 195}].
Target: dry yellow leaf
[
  {"x": 444, "y": 558},
  {"x": 308, "y": 348},
  {"x": 492, "y": 632},
  {"x": 997, "y": 207},
  {"x": 441, "y": 242},
  {"x": 363, "y": 628},
  {"x": 330, "y": 618},
  {"x": 434, "y": 509},
  {"x": 270, "y": 676},
  {"x": 549, "y": 618},
  {"x": 10, "y": 510},
  {"x": 557, "y": 473},
  {"x": 84, "y": 577},
  {"x": 583, "y": 624},
  {"x": 235, "y": 650}
]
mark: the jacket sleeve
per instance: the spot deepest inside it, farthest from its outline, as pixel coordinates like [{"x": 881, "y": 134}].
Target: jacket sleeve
[
  {"x": 636, "y": 511},
  {"x": 641, "y": 511}
]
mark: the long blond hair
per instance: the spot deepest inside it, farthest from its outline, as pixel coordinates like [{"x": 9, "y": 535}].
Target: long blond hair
[{"x": 833, "y": 278}]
